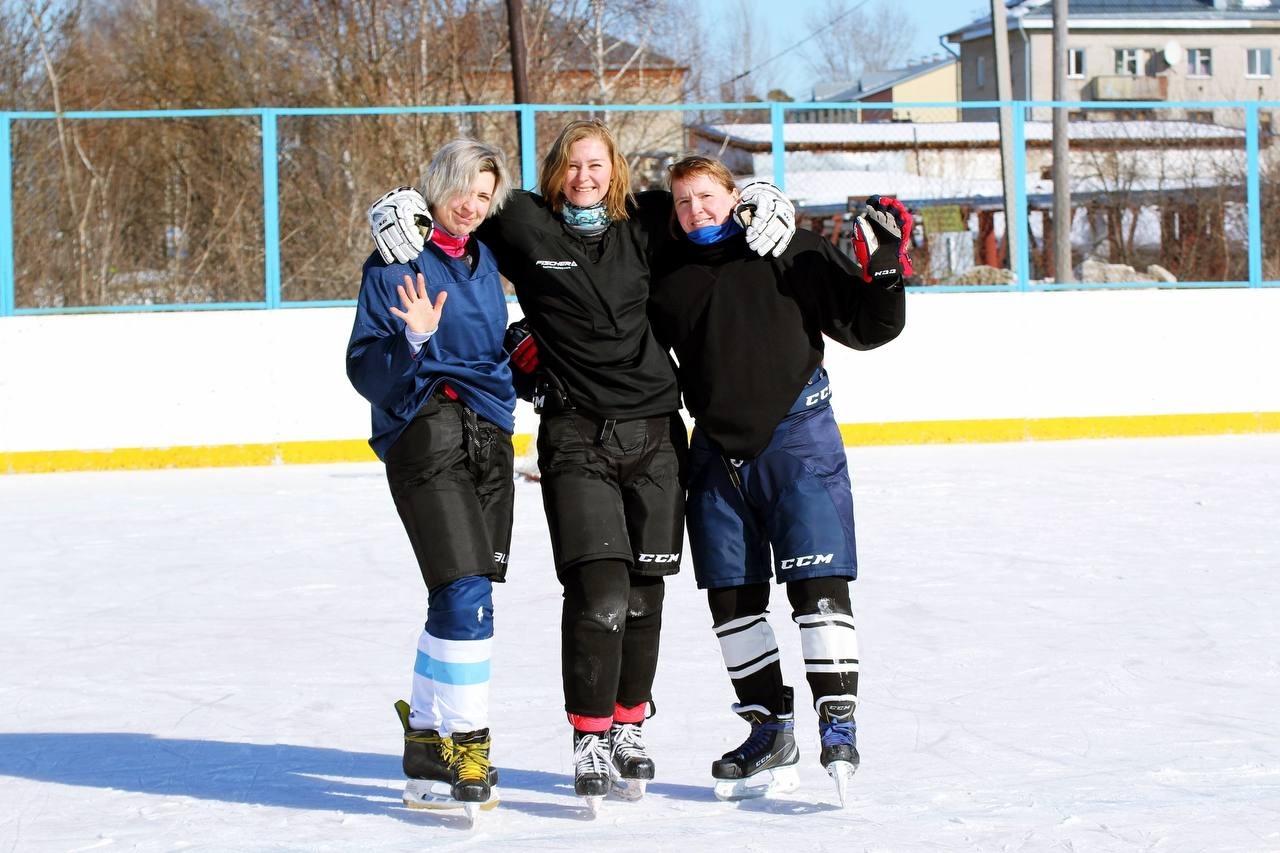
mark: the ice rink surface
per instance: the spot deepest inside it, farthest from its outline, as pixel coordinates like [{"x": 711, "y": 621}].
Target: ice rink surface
[{"x": 1065, "y": 646}]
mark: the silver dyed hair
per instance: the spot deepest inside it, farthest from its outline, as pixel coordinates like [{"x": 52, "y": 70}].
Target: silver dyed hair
[{"x": 457, "y": 164}]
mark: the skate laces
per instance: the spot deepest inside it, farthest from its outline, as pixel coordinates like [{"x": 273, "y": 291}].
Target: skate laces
[
  {"x": 838, "y": 734},
  {"x": 625, "y": 741},
  {"x": 590, "y": 755},
  {"x": 761, "y": 737},
  {"x": 471, "y": 760}
]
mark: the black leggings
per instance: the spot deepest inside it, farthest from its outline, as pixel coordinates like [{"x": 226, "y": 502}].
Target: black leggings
[{"x": 609, "y": 636}]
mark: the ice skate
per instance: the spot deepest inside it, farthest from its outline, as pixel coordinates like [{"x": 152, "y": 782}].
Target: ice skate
[
  {"x": 592, "y": 775},
  {"x": 632, "y": 766},
  {"x": 428, "y": 764},
  {"x": 839, "y": 742},
  {"x": 765, "y": 762},
  {"x": 471, "y": 772}
]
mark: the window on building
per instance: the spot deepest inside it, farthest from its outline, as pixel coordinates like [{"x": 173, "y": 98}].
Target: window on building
[
  {"x": 1258, "y": 62},
  {"x": 1075, "y": 62},
  {"x": 982, "y": 71},
  {"x": 1128, "y": 61},
  {"x": 1200, "y": 62}
]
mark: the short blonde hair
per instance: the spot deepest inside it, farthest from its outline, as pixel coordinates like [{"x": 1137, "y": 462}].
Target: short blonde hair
[
  {"x": 695, "y": 165},
  {"x": 455, "y": 167},
  {"x": 555, "y": 166}
]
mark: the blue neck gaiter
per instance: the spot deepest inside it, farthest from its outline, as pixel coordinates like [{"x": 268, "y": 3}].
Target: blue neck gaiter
[
  {"x": 709, "y": 234},
  {"x": 586, "y": 221}
]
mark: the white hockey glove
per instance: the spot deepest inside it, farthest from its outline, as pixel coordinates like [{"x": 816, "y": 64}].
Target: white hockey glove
[
  {"x": 771, "y": 222},
  {"x": 400, "y": 224}
]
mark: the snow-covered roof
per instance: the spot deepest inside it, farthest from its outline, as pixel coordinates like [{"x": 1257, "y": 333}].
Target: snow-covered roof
[
  {"x": 754, "y": 136},
  {"x": 878, "y": 81},
  {"x": 1127, "y": 14},
  {"x": 831, "y": 190}
]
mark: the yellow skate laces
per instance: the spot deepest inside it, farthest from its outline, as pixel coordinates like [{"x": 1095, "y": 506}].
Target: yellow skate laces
[{"x": 470, "y": 759}]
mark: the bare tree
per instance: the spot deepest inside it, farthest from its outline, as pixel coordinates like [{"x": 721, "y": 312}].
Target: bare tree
[{"x": 854, "y": 39}]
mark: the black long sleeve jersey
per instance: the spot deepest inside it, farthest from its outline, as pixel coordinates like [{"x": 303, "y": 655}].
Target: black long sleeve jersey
[
  {"x": 747, "y": 330},
  {"x": 585, "y": 301}
]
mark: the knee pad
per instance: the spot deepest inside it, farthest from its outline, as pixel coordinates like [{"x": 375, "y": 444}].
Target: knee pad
[
  {"x": 461, "y": 609},
  {"x": 596, "y": 595},
  {"x": 644, "y": 602}
]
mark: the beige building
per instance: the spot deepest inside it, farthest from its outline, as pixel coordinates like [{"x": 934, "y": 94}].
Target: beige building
[
  {"x": 930, "y": 81},
  {"x": 1133, "y": 50}
]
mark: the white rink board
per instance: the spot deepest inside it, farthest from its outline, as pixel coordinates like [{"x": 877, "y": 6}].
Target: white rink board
[{"x": 103, "y": 381}]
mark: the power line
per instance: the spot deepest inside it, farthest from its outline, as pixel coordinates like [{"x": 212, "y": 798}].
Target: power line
[{"x": 828, "y": 25}]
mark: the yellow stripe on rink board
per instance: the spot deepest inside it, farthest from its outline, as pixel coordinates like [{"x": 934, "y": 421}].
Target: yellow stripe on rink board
[
  {"x": 212, "y": 456},
  {"x": 1056, "y": 429},
  {"x": 854, "y": 435}
]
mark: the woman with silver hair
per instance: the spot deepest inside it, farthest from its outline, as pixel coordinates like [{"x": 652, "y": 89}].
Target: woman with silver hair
[{"x": 439, "y": 385}]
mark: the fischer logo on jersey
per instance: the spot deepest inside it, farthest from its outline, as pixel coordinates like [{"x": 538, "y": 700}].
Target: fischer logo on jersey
[
  {"x": 818, "y": 397},
  {"x": 660, "y": 558},
  {"x": 807, "y": 560},
  {"x": 557, "y": 265}
]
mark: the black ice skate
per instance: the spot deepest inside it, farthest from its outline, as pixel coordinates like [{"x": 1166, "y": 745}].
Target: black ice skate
[
  {"x": 839, "y": 741},
  {"x": 471, "y": 771},
  {"x": 428, "y": 764},
  {"x": 765, "y": 762},
  {"x": 632, "y": 766},
  {"x": 592, "y": 773}
]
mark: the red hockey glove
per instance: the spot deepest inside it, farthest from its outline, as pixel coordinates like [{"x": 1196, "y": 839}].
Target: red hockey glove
[{"x": 903, "y": 222}]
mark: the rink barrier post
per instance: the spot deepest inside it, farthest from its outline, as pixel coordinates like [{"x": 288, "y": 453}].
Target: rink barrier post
[
  {"x": 6, "y": 219},
  {"x": 270, "y": 210},
  {"x": 778, "y": 145},
  {"x": 528, "y": 148},
  {"x": 1022, "y": 263},
  {"x": 1253, "y": 194}
]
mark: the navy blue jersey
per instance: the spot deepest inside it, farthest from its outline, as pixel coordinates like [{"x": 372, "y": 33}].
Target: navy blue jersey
[{"x": 466, "y": 349}]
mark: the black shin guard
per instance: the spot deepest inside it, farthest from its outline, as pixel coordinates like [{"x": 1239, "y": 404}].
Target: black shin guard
[
  {"x": 747, "y": 643},
  {"x": 592, "y": 627},
  {"x": 640, "y": 640},
  {"x": 822, "y": 609}
]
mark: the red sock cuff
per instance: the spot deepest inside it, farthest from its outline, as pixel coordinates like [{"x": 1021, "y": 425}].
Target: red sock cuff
[
  {"x": 590, "y": 724},
  {"x": 630, "y": 715}
]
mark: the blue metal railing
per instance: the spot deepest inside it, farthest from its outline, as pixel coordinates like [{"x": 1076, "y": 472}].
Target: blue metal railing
[{"x": 1021, "y": 264}]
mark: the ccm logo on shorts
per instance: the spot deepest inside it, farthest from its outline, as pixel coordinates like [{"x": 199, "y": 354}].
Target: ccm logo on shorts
[
  {"x": 814, "y": 399},
  {"x": 807, "y": 560},
  {"x": 659, "y": 558}
]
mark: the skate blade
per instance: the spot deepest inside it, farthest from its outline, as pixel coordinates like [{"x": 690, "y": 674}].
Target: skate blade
[
  {"x": 434, "y": 795},
  {"x": 594, "y": 804},
  {"x": 780, "y": 780},
  {"x": 628, "y": 789},
  {"x": 842, "y": 772}
]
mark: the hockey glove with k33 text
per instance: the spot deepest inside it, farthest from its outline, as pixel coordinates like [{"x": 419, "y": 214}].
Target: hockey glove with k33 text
[
  {"x": 400, "y": 224},
  {"x": 768, "y": 217},
  {"x": 880, "y": 240}
]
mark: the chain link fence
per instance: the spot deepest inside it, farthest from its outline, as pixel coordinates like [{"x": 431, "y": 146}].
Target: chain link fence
[{"x": 266, "y": 207}]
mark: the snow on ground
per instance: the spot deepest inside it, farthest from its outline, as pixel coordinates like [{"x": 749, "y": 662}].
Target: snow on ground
[{"x": 1066, "y": 646}]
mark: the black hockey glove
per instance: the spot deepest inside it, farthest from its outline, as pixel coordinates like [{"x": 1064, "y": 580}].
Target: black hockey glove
[{"x": 523, "y": 350}]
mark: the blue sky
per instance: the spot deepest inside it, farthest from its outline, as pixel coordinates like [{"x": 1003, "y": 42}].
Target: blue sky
[{"x": 789, "y": 22}]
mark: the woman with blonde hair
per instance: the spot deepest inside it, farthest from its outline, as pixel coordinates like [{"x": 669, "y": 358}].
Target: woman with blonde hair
[{"x": 610, "y": 442}]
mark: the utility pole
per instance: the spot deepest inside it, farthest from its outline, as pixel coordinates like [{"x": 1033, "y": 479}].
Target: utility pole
[
  {"x": 1061, "y": 146},
  {"x": 1004, "y": 92},
  {"x": 519, "y": 78}
]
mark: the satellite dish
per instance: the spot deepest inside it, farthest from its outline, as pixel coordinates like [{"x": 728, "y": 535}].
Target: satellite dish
[{"x": 1172, "y": 52}]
